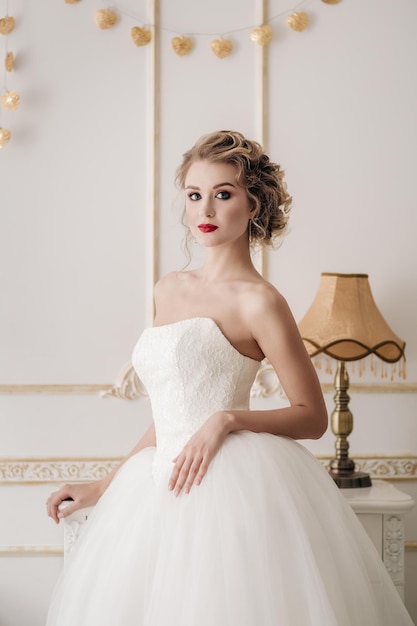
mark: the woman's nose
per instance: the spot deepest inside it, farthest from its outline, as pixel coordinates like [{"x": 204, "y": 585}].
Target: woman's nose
[{"x": 206, "y": 209}]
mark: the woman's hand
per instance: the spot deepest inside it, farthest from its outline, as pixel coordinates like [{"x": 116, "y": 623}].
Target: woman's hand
[
  {"x": 79, "y": 496},
  {"x": 192, "y": 463}
]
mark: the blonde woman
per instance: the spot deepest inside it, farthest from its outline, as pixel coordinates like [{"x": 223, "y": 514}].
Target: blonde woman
[{"x": 218, "y": 516}]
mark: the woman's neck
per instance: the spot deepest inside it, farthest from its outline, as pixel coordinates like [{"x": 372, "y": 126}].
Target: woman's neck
[{"x": 223, "y": 263}]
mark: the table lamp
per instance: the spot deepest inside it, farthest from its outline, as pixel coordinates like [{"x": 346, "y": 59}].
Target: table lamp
[{"x": 345, "y": 324}]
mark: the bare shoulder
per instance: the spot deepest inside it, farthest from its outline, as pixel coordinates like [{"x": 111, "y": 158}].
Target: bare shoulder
[
  {"x": 163, "y": 289},
  {"x": 165, "y": 283},
  {"x": 170, "y": 282},
  {"x": 263, "y": 301},
  {"x": 171, "y": 288}
]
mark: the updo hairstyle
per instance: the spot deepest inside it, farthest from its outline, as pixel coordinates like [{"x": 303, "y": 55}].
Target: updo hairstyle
[{"x": 263, "y": 180}]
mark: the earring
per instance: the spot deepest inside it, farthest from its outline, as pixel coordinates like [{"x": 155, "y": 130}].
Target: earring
[{"x": 252, "y": 229}]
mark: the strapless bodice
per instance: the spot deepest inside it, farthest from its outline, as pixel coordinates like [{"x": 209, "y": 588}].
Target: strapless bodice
[{"x": 190, "y": 371}]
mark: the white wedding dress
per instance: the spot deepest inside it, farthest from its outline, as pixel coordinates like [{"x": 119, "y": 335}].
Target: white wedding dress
[{"x": 265, "y": 540}]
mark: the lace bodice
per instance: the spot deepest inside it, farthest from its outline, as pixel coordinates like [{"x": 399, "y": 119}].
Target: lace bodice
[{"x": 190, "y": 371}]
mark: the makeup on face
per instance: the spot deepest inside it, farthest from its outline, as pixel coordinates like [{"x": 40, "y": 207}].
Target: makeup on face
[
  {"x": 217, "y": 207},
  {"x": 207, "y": 228}
]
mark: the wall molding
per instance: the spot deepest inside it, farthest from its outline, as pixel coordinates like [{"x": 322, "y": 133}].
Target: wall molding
[
  {"x": 388, "y": 387},
  {"x": 396, "y": 468},
  {"x": 31, "y": 550},
  {"x": 54, "y": 550},
  {"x": 58, "y": 470},
  {"x": 153, "y": 161},
  {"x": 52, "y": 389},
  {"x": 129, "y": 387},
  {"x": 23, "y": 471}
]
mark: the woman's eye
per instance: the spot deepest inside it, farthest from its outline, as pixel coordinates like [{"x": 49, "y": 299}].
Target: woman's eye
[
  {"x": 194, "y": 196},
  {"x": 223, "y": 195}
]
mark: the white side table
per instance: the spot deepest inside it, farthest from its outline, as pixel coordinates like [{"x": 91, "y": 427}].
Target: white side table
[{"x": 381, "y": 510}]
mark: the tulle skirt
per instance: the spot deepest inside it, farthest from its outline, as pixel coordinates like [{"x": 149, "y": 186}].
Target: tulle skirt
[{"x": 265, "y": 540}]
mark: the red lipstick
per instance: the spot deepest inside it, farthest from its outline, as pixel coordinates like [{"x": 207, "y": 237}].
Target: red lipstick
[{"x": 207, "y": 228}]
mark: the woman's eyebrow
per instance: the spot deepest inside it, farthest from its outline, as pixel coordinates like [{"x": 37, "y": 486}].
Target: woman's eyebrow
[
  {"x": 223, "y": 184},
  {"x": 215, "y": 186}
]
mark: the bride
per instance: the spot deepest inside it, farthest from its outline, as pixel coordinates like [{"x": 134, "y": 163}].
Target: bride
[{"x": 218, "y": 516}]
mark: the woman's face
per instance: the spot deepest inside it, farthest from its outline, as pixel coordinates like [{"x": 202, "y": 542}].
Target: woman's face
[{"x": 216, "y": 206}]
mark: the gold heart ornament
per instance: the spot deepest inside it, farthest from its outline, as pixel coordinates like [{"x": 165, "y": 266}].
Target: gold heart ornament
[
  {"x": 141, "y": 36},
  {"x": 261, "y": 35},
  {"x": 105, "y": 18},
  {"x": 9, "y": 62},
  {"x": 222, "y": 47},
  {"x": 6, "y": 25},
  {"x": 10, "y": 100},
  {"x": 298, "y": 21},
  {"x": 182, "y": 45},
  {"x": 5, "y": 135}
]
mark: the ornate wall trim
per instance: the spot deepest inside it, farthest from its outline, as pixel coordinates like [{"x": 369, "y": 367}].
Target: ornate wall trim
[
  {"x": 128, "y": 386},
  {"x": 29, "y": 471},
  {"x": 393, "y": 542},
  {"x": 383, "y": 467},
  {"x": 61, "y": 470},
  {"x": 266, "y": 383}
]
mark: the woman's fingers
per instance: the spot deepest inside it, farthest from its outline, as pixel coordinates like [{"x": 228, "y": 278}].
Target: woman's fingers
[
  {"x": 191, "y": 465},
  {"x": 191, "y": 477},
  {"x": 201, "y": 472},
  {"x": 70, "y": 498},
  {"x": 179, "y": 474},
  {"x": 188, "y": 472},
  {"x": 55, "y": 500},
  {"x": 175, "y": 473},
  {"x": 184, "y": 474}
]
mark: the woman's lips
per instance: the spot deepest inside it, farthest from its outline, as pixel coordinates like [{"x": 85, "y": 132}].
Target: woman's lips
[{"x": 207, "y": 228}]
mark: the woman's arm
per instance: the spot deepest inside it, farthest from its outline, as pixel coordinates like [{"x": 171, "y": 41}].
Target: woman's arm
[
  {"x": 87, "y": 494},
  {"x": 275, "y": 331}
]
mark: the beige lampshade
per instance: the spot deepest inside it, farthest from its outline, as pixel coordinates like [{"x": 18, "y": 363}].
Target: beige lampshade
[{"x": 345, "y": 323}]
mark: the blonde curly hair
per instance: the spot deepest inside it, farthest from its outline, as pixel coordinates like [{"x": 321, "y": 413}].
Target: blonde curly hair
[{"x": 263, "y": 180}]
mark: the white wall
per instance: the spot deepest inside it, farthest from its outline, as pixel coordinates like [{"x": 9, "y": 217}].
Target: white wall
[{"x": 74, "y": 212}]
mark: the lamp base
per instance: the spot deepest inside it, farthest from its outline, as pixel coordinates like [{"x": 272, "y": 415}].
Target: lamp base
[{"x": 350, "y": 480}]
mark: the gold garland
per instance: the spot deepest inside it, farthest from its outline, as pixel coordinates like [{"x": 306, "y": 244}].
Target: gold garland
[
  {"x": 9, "y": 99},
  {"x": 182, "y": 43},
  {"x": 221, "y": 46}
]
